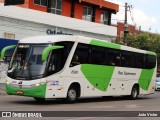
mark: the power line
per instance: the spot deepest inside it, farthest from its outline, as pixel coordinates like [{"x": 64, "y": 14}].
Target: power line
[{"x": 131, "y": 15}]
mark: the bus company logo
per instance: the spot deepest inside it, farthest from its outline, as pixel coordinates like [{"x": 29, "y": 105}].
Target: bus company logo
[
  {"x": 21, "y": 114},
  {"x": 6, "y": 114},
  {"x": 55, "y": 32}
]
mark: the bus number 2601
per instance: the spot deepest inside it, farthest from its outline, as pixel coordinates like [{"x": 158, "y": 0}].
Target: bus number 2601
[{"x": 74, "y": 72}]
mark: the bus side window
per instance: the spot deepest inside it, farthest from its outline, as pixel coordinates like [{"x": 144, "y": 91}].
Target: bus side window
[
  {"x": 55, "y": 64},
  {"x": 58, "y": 57},
  {"x": 139, "y": 60},
  {"x": 127, "y": 59},
  {"x": 98, "y": 55},
  {"x": 114, "y": 57},
  {"x": 75, "y": 60},
  {"x": 151, "y": 61},
  {"x": 81, "y": 55}
]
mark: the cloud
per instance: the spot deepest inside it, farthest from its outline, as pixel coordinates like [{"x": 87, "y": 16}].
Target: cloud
[
  {"x": 143, "y": 19},
  {"x": 139, "y": 16},
  {"x": 144, "y": 0}
]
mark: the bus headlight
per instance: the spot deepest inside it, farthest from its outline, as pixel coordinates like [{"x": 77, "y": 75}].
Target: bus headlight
[{"x": 39, "y": 84}]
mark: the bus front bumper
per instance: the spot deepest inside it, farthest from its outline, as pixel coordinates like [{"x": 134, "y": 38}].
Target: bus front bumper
[{"x": 37, "y": 92}]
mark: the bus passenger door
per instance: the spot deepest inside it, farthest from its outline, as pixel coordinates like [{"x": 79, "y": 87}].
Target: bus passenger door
[
  {"x": 54, "y": 87},
  {"x": 54, "y": 82}
]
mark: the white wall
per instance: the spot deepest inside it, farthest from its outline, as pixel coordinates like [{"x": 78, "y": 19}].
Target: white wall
[{"x": 25, "y": 22}]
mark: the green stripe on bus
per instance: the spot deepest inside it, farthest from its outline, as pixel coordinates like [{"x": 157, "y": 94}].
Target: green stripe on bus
[
  {"x": 150, "y": 53},
  {"x": 105, "y": 44},
  {"x": 145, "y": 78},
  {"x": 38, "y": 92},
  {"x": 99, "y": 76}
]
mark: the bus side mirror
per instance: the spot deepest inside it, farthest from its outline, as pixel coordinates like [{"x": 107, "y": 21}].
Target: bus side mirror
[
  {"x": 5, "y": 49},
  {"x": 7, "y": 59},
  {"x": 47, "y": 50}
]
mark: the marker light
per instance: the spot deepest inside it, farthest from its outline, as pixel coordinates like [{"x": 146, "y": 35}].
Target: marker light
[{"x": 37, "y": 85}]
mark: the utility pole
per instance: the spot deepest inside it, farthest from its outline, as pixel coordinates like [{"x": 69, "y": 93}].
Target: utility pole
[{"x": 125, "y": 24}]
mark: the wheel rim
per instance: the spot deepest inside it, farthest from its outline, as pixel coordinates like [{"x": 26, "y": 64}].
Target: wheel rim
[{"x": 72, "y": 94}]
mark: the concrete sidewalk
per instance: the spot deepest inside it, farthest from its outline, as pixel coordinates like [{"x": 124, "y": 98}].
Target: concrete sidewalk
[{"x": 2, "y": 89}]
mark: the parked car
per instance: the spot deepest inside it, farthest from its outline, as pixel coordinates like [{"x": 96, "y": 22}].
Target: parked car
[{"x": 158, "y": 83}]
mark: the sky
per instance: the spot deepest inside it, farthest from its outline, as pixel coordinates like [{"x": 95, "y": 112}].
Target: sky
[{"x": 144, "y": 13}]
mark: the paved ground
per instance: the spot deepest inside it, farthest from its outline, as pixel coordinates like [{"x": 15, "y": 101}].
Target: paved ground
[
  {"x": 2, "y": 89},
  {"x": 20, "y": 103},
  {"x": 144, "y": 103}
]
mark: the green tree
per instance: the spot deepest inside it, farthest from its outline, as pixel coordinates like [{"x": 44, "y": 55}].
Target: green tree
[{"x": 145, "y": 41}]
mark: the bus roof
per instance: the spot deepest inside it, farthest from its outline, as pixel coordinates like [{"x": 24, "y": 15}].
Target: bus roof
[
  {"x": 80, "y": 39},
  {"x": 48, "y": 39}
]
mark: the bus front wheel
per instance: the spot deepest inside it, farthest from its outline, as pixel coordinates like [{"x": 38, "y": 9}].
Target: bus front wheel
[
  {"x": 72, "y": 95},
  {"x": 134, "y": 93},
  {"x": 39, "y": 99}
]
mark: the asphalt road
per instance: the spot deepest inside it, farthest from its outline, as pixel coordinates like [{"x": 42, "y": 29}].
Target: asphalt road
[{"x": 143, "y": 103}]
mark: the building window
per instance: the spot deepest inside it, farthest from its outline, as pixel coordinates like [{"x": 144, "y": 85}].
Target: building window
[
  {"x": 104, "y": 17},
  {"x": 56, "y": 7},
  {"x": 41, "y": 2},
  {"x": 87, "y": 13}
]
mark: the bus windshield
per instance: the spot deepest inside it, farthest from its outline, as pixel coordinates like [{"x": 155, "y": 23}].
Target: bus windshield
[{"x": 26, "y": 62}]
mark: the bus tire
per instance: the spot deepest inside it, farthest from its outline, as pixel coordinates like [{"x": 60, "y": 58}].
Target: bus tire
[
  {"x": 72, "y": 95},
  {"x": 134, "y": 92},
  {"x": 39, "y": 99}
]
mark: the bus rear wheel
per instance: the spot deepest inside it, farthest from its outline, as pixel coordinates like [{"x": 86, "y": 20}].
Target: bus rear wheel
[
  {"x": 134, "y": 93},
  {"x": 72, "y": 95}
]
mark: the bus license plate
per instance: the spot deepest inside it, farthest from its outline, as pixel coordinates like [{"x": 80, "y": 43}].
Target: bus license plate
[{"x": 20, "y": 92}]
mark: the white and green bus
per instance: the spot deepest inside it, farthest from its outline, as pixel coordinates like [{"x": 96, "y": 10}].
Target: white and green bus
[{"x": 71, "y": 67}]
